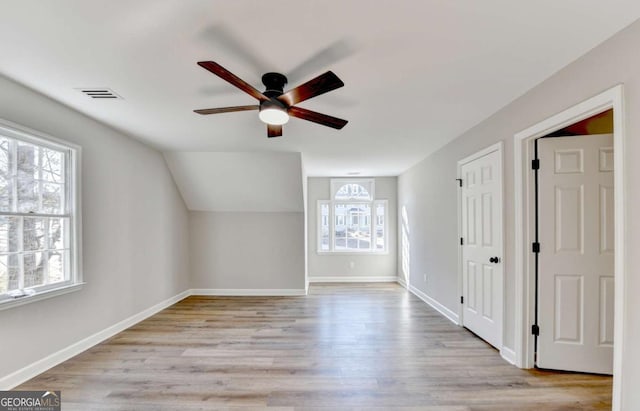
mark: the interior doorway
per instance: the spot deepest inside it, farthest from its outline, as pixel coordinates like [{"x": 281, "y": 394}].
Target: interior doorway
[{"x": 524, "y": 222}]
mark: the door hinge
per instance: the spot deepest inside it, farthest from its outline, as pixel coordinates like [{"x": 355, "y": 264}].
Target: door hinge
[
  {"x": 535, "y": 164},
  {"x": 535, "y": 330},
  {"x": 461, "y": 299},
  {"x": 461, "y": 241},
  {"x": 459, "y": 180},
  {"x": 535, "y": 247}
]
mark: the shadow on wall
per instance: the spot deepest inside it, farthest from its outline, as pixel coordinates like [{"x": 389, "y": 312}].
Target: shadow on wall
[{"x": 406, "y": 247}]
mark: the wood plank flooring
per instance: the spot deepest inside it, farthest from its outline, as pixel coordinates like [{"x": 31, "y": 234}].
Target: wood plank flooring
[{"x": 343, "y": 347}]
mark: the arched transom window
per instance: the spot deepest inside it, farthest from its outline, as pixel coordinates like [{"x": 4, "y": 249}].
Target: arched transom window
[{"x": 352, "y": 191}]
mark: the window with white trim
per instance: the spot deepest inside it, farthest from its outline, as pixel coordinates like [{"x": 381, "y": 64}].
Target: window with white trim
[
  {"x": 38, "y": 215},
  {"x": 345, "y": 221}
]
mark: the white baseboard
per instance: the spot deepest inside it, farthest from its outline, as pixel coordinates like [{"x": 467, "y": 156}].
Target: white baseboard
[
  {"x": 354, "y": 279},
  {"x": 248, "y": 292},
  {"x": 402, "y": 282},
  {"x": 453, "y": 317},
  {"x": 508, "y": 355},
  {"x": 18, "y": 377}
]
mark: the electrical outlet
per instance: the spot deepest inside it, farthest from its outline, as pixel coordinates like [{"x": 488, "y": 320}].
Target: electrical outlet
[
  {"x": 352, "y": 264},
  {"x": 424, "y": 278}
]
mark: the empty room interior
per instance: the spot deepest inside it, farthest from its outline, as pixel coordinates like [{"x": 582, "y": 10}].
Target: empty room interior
[{"x": 246, "y": 205}]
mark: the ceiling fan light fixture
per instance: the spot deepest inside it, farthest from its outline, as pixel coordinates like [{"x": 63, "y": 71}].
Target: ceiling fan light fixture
[{"x": 274, "y": 116}]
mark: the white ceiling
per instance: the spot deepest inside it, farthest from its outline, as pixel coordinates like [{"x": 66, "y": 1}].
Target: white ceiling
[{"x": 417, "y": 73}]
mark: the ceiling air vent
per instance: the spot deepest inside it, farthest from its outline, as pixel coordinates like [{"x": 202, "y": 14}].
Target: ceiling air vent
[{"x": 99, "y": 92}]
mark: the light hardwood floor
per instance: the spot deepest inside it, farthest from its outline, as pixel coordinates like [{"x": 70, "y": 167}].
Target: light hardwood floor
[{"x": 343, "y": 347}]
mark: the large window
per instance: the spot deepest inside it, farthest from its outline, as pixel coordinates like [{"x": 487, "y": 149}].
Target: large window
[
  {"x": 352, "y": 220},
  {"x": 38, "y": 216}
]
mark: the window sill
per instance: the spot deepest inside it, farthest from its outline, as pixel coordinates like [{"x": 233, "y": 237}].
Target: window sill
[
  {"x": 15, "y": 302},
  {"x": 363, "y": 253}
]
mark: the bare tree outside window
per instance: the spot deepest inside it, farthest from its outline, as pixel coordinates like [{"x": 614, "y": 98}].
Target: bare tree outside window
[{"x": 34, "y": 248}]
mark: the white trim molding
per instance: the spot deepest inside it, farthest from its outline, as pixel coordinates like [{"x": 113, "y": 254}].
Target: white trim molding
[
  {"x": 523, "y": 223},
  {"x": 354, "y": 279},
  {"x": 402, "y": 282},
  {"x": 248, "y": 292},
  {"x": 508, "y": 355},
  {"x": 449, "y": 314},
  {"x": 18, "y": 377}
]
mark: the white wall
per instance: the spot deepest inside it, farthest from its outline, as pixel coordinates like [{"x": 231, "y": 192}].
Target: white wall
[
  {"x": 336, "y": 265},
  {"x": 251, "y": 250},
  {"x": 135, "y": 242},
  {"x": 428, "y": 190}
]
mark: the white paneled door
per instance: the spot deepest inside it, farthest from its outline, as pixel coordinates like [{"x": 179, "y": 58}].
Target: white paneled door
[
  {"x": 576, "y": 259},
  {"x": 481, "y": 220}
]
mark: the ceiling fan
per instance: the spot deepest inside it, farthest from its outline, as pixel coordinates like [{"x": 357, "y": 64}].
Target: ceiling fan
[{"x": 275, "y": 106}]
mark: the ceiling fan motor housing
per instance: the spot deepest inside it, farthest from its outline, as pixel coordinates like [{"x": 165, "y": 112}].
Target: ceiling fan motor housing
[{"x": 274, "y": 83}]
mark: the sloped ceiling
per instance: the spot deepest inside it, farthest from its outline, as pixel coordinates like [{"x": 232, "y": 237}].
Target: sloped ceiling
[
  {"x": 239, "y": 182},
  {"x": 417, "y": 73}
]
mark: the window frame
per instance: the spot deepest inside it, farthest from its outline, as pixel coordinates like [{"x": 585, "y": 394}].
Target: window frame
[
  {"x": 332, "y": 202},
  {"x": 73, "y": 154}
]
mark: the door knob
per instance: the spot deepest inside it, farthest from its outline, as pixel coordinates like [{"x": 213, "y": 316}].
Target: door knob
[{"x": 494, "y": 260}]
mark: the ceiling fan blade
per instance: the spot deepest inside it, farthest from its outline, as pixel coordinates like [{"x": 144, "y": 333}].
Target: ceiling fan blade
[
  {"x": 316, "y": 117},
  {"x": 334, "y": 52},
  {"x": 226, "y": 109},
  {"x": 226, "y": 75},
  {"x": 219, "y": 37},
  {"x": 312, "y": 88},
  {"x": 273, "y": 130}
]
